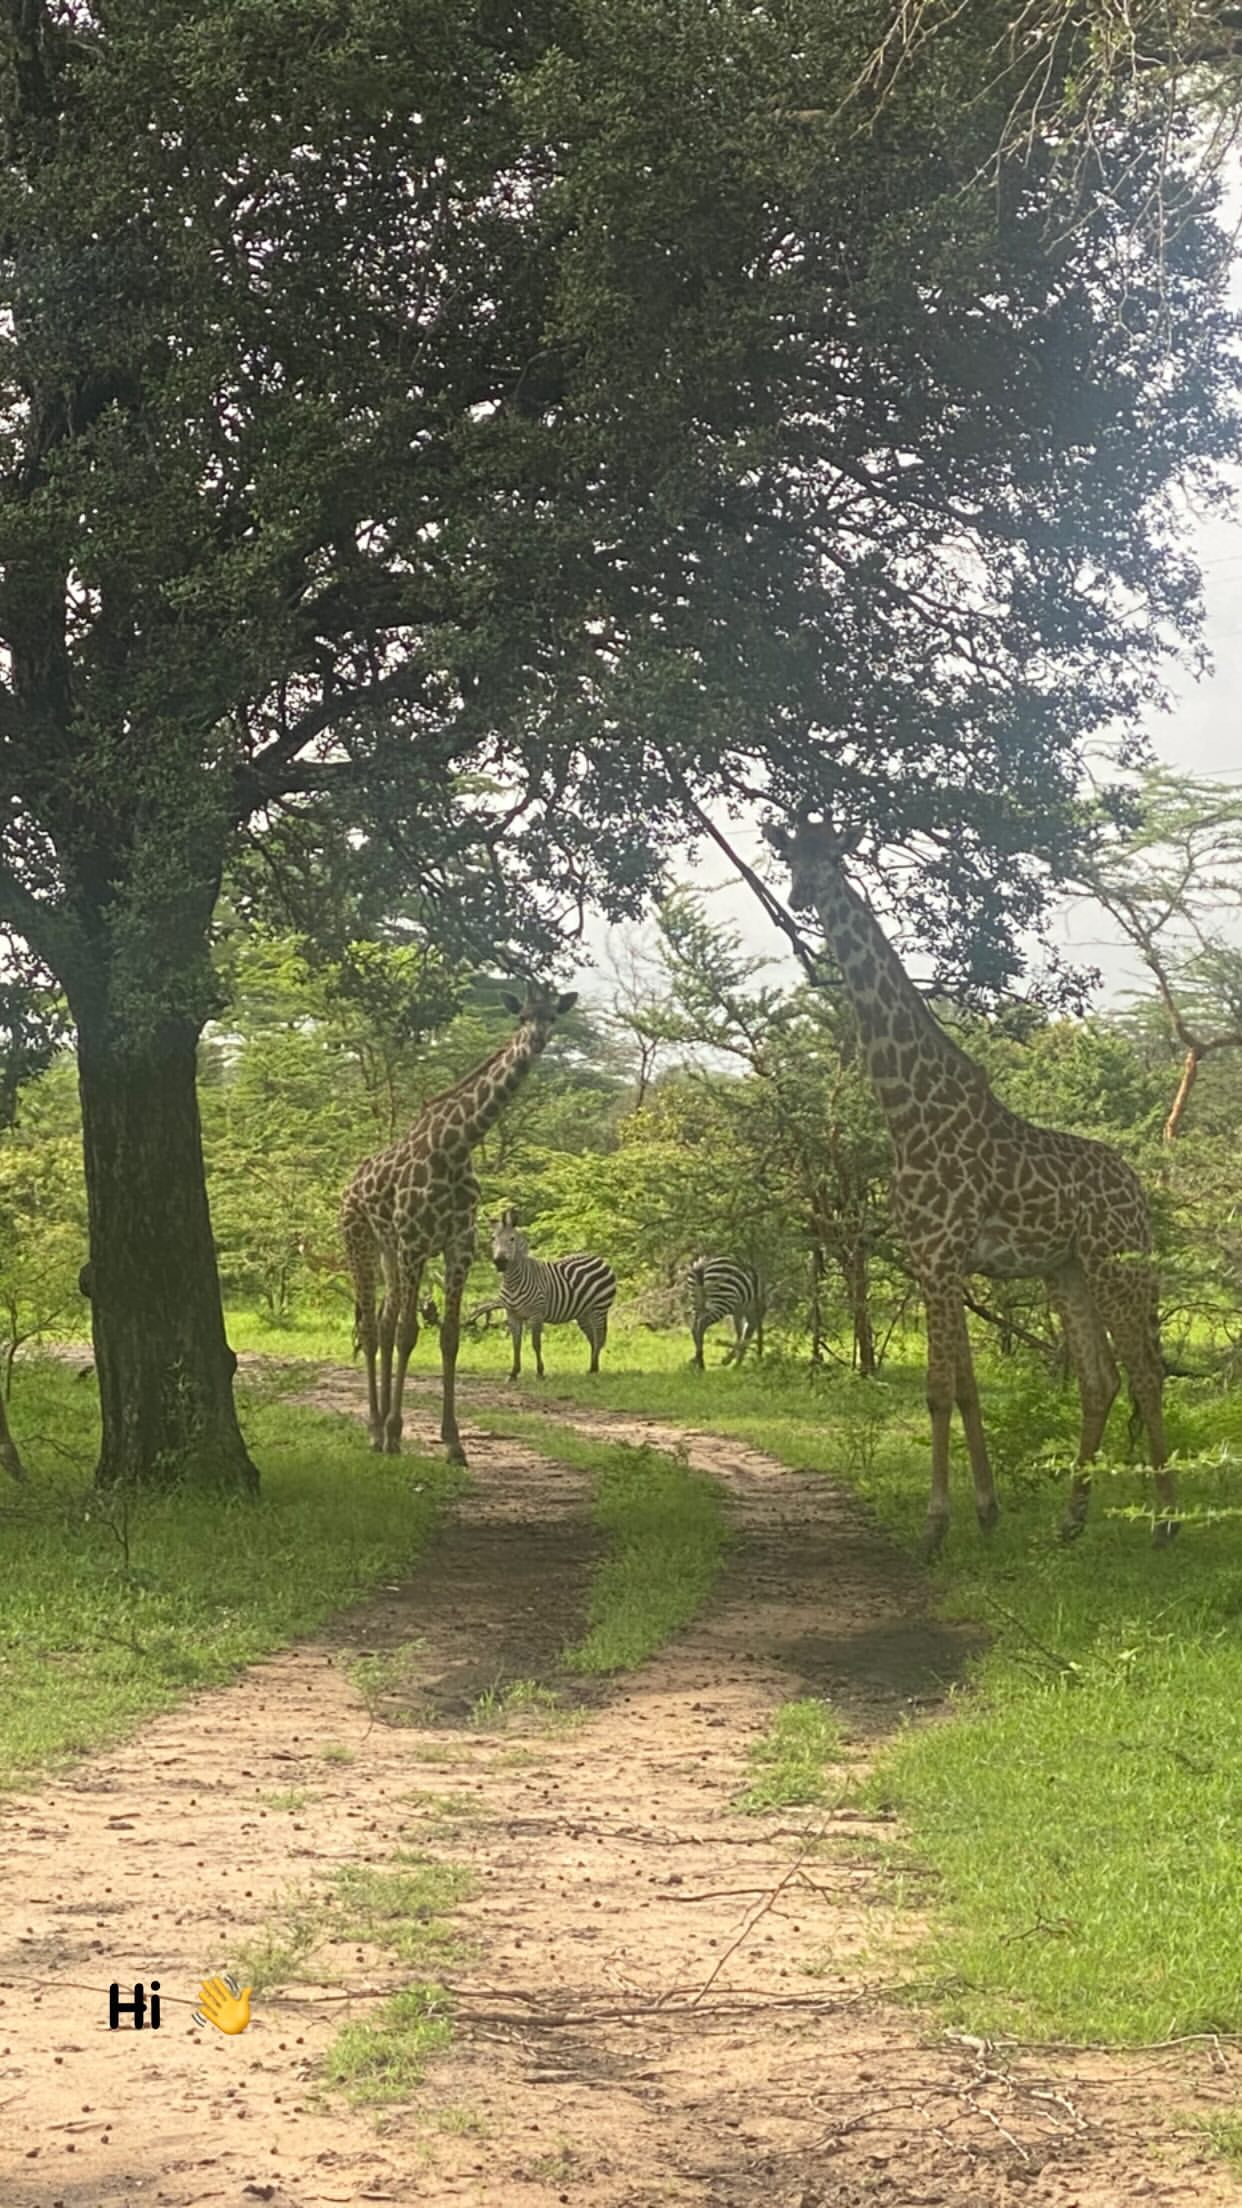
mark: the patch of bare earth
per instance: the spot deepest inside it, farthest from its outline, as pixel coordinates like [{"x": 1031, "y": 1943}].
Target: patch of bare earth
[{"x": 659, "y": 2000}]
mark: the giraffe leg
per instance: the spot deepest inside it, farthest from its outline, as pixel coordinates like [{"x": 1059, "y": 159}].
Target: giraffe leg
[
  {"x": 387, "y": 1342},
  {"x": 536, "y": 1343},
  {"x": 944, "y": 1323},
  {"x": 515, "y": 1336},
  {"x": 359, "y": 1252},
  {"x": 404, "y": 1299},
  {"x": 1095, "y": 1369},
  {"x": 967, "y": 1392},
  {"x": 1126, "y": 1299},
  {"x": 456, "y": 1267}
]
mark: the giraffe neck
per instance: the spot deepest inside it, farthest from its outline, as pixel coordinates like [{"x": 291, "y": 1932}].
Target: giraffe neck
[
  {"x": 483, "y": 1094},
  {"x": 907, "y": 1053}
]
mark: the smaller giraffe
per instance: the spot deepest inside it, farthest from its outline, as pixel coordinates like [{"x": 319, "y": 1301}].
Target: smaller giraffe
[
  {"x": 418, "y": 1199},
  {"x": 977, "y": 1189}
]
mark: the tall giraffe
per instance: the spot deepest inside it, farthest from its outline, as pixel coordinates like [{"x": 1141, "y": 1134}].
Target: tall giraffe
[
  {"x": 977, "y": 1189},
  {"x": 419, "y": 1198}
]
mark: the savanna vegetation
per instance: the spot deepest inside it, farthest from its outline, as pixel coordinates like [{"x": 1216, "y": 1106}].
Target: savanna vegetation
[{"x": 442, "y": 451}]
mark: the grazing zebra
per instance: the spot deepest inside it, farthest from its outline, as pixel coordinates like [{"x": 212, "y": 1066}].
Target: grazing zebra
[
  {"x": 546, "y": 1294},
  {"x": 721, "y": 1289}
]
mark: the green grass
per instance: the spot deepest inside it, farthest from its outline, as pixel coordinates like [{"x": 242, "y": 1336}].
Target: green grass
[
  {"x": 277, "y": 1954},
  {"x": 664, "y": 1530},
  {"x": 789, "y": 1765},
  {"x": 288, "y": 1797},
  {"x": 401, "y": 1907},
  {"x": 526, "y": 1700},
  {"x": 116, "y": 1607},
  {"x": 1224, "y": 2132},
  {"x": 384, "y": 2061}
]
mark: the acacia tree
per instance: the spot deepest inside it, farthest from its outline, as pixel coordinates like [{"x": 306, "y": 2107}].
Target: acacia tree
[
  {"x": 805, "y": 1121},
  {"x": 438, "y": 436},
  {"x": 1169, "y": 872}
]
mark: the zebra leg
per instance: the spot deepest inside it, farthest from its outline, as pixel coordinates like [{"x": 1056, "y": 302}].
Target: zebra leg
[
  {"x": 596, "y": 1331},
  {"x": 536, "y": 1343},
  {"x": 515, "y": 1335},
  {"x": 698, "y": 1329},
  {"x": 745, "y": 1328}
]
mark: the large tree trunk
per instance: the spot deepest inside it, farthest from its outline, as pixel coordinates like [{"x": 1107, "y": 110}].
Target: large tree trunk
[{"x": 164, "y": 1367}]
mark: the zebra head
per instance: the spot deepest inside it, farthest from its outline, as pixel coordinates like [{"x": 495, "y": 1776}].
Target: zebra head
[{"x": 507, "y": 1242}]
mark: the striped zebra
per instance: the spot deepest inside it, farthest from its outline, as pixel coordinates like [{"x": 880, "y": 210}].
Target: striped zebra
[
  {"x": 542, "y": 1293},
  {"x": 721, "y": 1289}
]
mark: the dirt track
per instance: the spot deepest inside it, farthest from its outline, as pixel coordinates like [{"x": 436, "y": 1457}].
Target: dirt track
[{"x": 663, "y": 2001}]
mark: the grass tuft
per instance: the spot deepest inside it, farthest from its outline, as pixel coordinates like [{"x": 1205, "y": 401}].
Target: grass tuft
[
  {"x": 789, "y": 1763},
  {"x": 384, "y": 2061}
]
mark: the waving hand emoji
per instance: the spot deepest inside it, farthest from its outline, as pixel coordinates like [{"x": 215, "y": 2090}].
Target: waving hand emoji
[{"x": 224, "y": 2004}]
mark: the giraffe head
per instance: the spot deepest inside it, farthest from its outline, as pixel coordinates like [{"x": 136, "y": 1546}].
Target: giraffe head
[
  {"x": 539, "y": 1008},
  {"x": 507, "y": 1242},
  {"x": 809, "y": 849}
]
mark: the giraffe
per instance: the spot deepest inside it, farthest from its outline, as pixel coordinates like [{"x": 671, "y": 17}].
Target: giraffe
[
  {"x": 977, "y": 1189},
  {"x": 419, "y": 1198}
]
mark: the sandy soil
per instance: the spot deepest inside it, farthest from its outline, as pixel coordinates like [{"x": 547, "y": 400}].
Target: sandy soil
[{"x": 660, "y": 2000}]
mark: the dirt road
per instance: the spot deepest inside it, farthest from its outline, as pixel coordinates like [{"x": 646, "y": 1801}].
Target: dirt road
[{"x": 660, "y": 2000}]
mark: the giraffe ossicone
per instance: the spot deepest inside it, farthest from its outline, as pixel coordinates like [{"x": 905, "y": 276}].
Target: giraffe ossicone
[
  {"x": 977, "y": 1189},
  {"x": 419, "y": 1198}
]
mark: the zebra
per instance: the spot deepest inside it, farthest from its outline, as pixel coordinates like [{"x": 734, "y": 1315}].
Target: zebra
[
  {"x": 578, "y": 1287},
  {"x": 721, "y": 1289}
]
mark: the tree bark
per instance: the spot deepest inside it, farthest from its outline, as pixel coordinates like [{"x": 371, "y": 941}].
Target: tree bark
[
  {"x": 817, "y": 1309},
  {"x": 9, "y": 1456},
  {"x": 858, "y": 1289},
  {"x": 1177, "y": 1110},
  {"x": 164, "y": 1367}
]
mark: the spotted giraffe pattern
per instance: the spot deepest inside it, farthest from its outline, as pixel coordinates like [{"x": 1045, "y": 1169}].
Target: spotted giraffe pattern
[
  {"x": 977, "y": 1189},
  {"x": 419, "y": 1199}
]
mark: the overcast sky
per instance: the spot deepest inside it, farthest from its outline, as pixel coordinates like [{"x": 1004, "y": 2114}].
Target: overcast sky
[{"x": 1202, "y": 735}]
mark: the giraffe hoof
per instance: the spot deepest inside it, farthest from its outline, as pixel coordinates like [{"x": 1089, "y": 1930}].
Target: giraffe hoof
[
  {"x": 1164, "y": 1531},
  {"x": 988, "y": 1513},
  {"x": 455, "y": 1453},
  {"x": 392, "y": 1445},
  {"x": 1070, "y": 1529}
]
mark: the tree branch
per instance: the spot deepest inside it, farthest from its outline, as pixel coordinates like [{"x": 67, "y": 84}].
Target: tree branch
[{"x": 271, "y": 772}]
